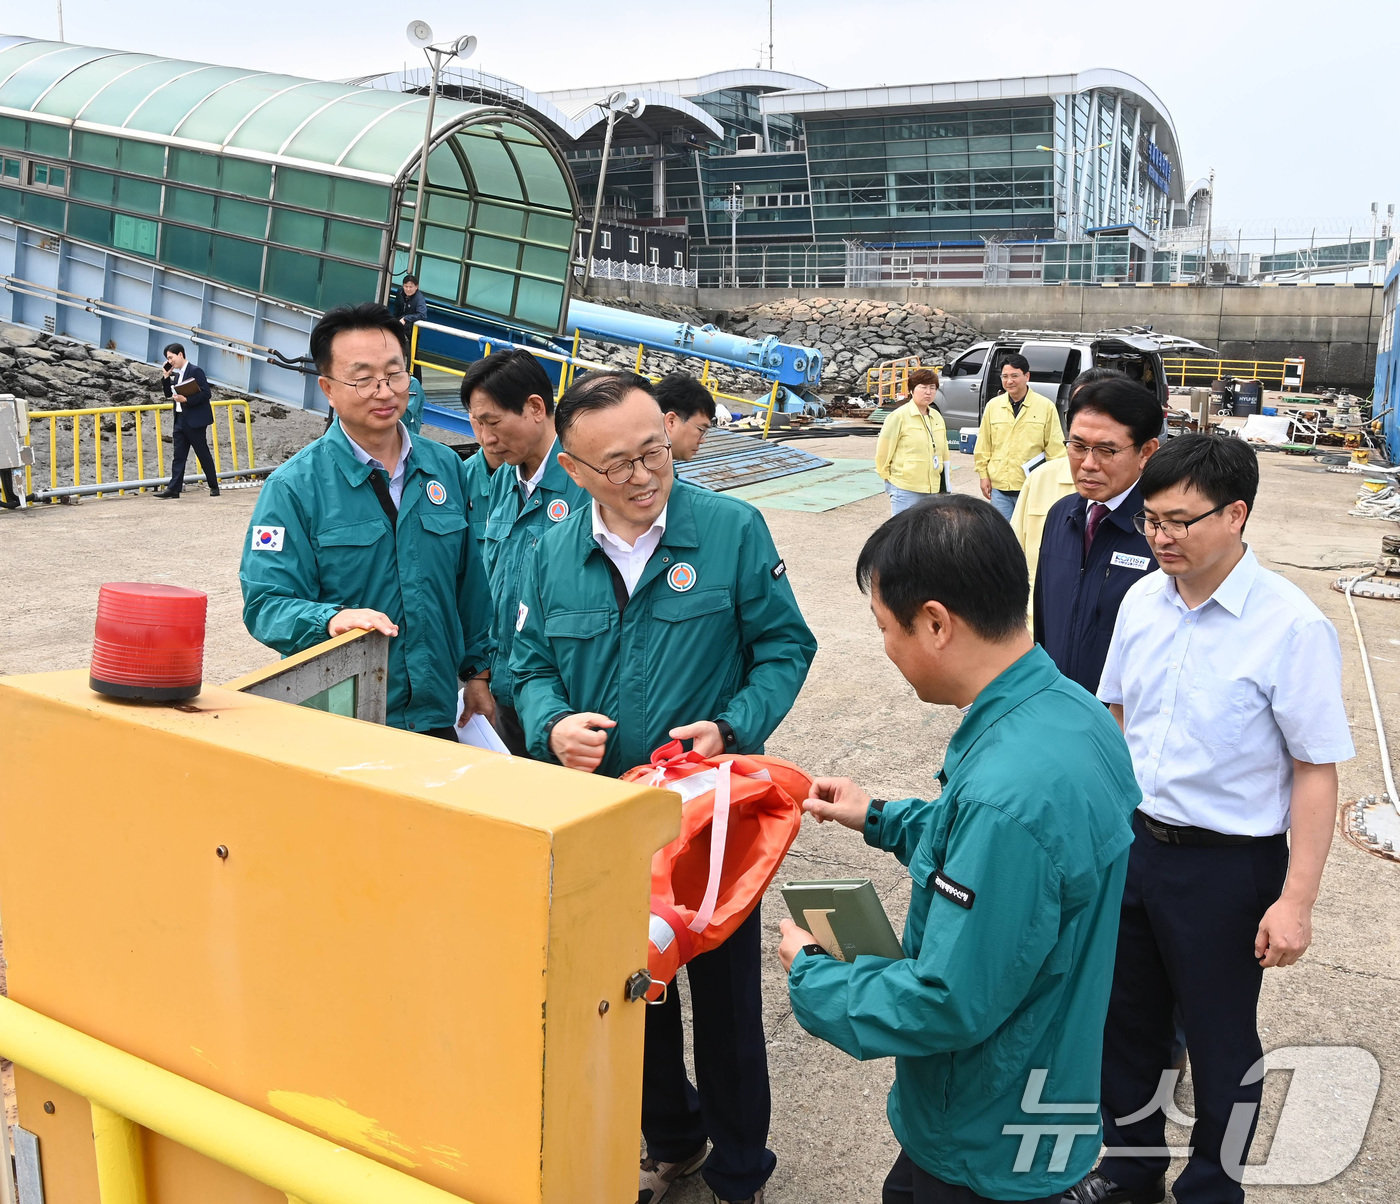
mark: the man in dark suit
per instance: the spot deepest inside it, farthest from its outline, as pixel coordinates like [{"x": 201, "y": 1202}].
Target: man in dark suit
[
  {"x": 193, "y": 417},
  {"x": 1091, "y": 552}
]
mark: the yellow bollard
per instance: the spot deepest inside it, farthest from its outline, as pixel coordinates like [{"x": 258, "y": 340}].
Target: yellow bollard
[
  {"x": 121, "y": 1164},
  {"x": 140, "y": 449},
  {"x": 772, "y": 404},
  {"x": 639, "y": 359},
  {"x": 248, "y": 433}
]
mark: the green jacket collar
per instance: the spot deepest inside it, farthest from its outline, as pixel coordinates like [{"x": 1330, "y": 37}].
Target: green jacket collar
[{"x": 1004, "y": 693}]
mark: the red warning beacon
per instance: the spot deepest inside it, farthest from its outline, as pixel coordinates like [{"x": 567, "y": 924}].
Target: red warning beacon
[{"x": 149, "y": 642}]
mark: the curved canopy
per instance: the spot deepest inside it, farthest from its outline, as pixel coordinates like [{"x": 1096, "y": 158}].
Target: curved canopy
[{"x": 335, "y": 128}]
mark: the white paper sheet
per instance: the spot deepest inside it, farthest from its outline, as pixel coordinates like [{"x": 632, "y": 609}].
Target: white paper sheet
[{"x": 478, "y": 733}]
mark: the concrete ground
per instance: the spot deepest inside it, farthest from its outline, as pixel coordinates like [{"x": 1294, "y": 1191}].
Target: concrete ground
[{"x": 857, "y": 718}]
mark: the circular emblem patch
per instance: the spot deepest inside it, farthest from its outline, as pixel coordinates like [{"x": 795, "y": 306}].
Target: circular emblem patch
[
  {"x": 681, "y": 577},
  {"x": 436, "y": 493},
  {"x": 558, "y": 510},
  {"x": 265, "y": 537}
]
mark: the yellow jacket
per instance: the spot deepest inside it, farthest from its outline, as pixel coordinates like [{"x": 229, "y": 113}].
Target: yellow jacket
[
  {"x": 912, "y": 450},
  {"x": 1044, "y": 487},
  {"x": 1006, "y": 440}
]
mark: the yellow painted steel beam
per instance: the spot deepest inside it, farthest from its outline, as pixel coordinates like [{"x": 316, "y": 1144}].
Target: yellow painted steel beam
[
  {"x": 303, "y": 1166},
  {"x": 121, "y": 1164}
]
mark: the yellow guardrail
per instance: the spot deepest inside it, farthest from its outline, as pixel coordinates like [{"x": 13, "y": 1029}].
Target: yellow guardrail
[
  {"x": 891, "y": 379},
  {"x": 121, "y": 484},
  {"x": 572, "y": 361},
  {"x": 127, "y": 1095},
  {"x": 1266, "y": 372}
]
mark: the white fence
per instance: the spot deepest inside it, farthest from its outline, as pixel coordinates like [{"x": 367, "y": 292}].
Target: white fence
[{"x": 644, "y": 273}]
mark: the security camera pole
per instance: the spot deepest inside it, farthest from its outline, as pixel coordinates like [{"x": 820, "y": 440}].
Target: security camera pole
[{"x": 617, "y": 103}]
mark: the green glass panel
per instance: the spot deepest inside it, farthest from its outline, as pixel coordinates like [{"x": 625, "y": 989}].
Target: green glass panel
[
  {"x": 196, "y": 208},
  {"x": 134, "y": 234},
  {"x": 445, "y": 169},
  {"x": 338, "y": 699},
  {"x": 94, "y": 225},
  {"x": 491, "y": 166},
  {"x": 242, "y": 217},
  {"x": 293, "y": 277},
  {"x": 400, "y": 264},
  {"x": 144, "y": 158},
  {"x": 25, "y": 85},
  {"x": 518, "y": 131},
  {"x": 438, "y": 278},
  {"x": 10, "y": 168},
  {"x": 48, "y": 140},
  {"x": 97, "y": 149},
  {"x": 490, "y": 291},
  {"x": 236, "y": 262},
  {"x": 352, "y": 241},
  {"x": 126, "y": 98},
  {"x": 440, "y": 241},
  {"x": 304, "y": 188},
  {"x": 495, "y": 251},
  {"x": 141, "y": 195},
  {"x": 556, "y": 230},
  {"x": 449, "y": 210},
  {"x": 57, "y": 176},
  {"x": 391, "y": 144},
  {"x": 10, "y": 199},
  {"x": 324, "y": 138},
  {"x": 355, "y": 198},
  {"x": 538, "y": 304},
  {"x": 93, "y": 185},
  {"x": 12, "y": 132},
  {"x": 298, "y": 229},
  {"x": 71, "y": 94},
  {"x": 544, "y": 179},
  {"x": 248, "y": 179},
  {"x": 499, "y": 220},
  {"x": 554, "y": 264},
  {"x": 42, "y": 210},
  {"x": 188, "y": 249},
  {"x": 215, "y": 117},
  {"x": 345, "y": 284},
  {"x": 405, "y": 231},
  {"x": 273, "y": 123},
  {"x": 191, "y": 167}
]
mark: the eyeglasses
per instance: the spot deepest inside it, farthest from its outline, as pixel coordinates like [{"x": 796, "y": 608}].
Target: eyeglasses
[
  {"x": 1102, "y": 453},
  {"x": 368, "y": 386},
  {"x": 653, "y": 460},
  {"x": 1172, "y": 528}
]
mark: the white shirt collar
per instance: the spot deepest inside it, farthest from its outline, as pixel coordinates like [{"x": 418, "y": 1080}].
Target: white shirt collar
[
  {"x": 606, "y": 537},
  {"x": 1114, "y": 502},
  {"x": 1230, "y": 593},
  {"x": 534, "y": 482}
]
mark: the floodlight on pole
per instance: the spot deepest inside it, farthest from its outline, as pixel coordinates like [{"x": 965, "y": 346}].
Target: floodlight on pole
[{"x": 617, "y": 104}]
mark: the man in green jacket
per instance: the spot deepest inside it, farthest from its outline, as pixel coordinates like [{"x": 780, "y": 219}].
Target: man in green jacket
[
  {"x": 511, "y": 402},
  {"x": 660, "y": 612},
  {"x": 367, "y": 528},
  {"x": 995, "y": 1014}
]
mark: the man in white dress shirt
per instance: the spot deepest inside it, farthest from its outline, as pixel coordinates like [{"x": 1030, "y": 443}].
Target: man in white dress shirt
[{"x": 1227, "y": 681}]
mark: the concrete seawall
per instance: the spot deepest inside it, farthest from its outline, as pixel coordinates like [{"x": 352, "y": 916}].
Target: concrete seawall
[{"x": 1334, "y": 327}]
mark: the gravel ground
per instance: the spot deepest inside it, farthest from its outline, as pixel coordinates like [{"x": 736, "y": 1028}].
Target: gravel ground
[{"x": 856, "y": 717}]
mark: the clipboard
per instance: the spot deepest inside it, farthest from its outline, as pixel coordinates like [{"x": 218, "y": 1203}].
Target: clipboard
[{"x": 186, "y": 389}]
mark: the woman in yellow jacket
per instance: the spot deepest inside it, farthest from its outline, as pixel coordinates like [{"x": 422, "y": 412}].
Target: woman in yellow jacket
[{"x": 912, "y": 453}]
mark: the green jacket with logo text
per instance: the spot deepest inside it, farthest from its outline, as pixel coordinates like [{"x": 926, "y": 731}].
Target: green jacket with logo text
[
  {"x": 319, "y": 542},
  {"x": 712, "y": 631}
]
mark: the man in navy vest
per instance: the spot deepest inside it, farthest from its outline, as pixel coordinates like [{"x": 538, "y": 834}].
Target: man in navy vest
[{"x": 1091, "y": 552}]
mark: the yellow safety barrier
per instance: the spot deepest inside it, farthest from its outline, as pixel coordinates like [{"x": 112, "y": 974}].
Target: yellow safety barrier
[
  {"x": 127, "y": 1094},
  {"x": 121, "y": 484},
  {"x": 891, "y": 379},
  {"x": 1267, "y": 372}
]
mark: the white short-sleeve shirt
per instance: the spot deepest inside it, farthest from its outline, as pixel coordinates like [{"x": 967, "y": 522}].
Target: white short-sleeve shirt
[{"x": 1219, "y": 701}]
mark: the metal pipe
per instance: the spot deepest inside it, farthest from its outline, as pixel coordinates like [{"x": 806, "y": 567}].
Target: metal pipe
[
  {"x": 423, "y": 163},
  {"x": 598, "y": 199},
  {"x": 1371, "y": 689},
  {"x": 43, "y": 495}
]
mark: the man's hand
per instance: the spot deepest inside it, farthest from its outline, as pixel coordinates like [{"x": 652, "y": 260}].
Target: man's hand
[
  {"x": 579, "y": 740},
  {"x": 839, "y": 799},
  {"x": 361, "y": 620},
  {"x": 794, "y": 938},
  {"x": 477, "y": 700},
  {"x": 1284, "y": 934},
  {"x": 986, "y": 483},
  {"x": 708, "y": 741}
]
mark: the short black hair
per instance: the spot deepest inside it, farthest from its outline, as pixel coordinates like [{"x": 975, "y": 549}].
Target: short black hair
[
  {"x": 1019, "y": 362},
  {"x": 173, "y": 349},
  {"x": 953, "y": 549},
  {"x": 509, "y": 378},
  {"x": 596, "y": 391},
  {"x": 410, "y": 279},
  {"x": 369, "y": 315},
  {"x": 1223, "y": 468},
  {"x": 684, "y": 396},
  {"x": 1125, "y": 401},
  {"x": 1090, "y": 375}
]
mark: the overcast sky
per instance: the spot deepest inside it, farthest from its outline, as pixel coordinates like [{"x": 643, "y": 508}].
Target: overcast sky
[{"x": 1295, "y": 105}]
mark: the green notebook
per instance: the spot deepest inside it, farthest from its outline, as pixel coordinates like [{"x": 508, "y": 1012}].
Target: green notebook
[{"x": 845, "y": 915}]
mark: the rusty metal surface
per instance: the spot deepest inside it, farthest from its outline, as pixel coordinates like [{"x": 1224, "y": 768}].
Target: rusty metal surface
[{"x": 727, "y": 460}]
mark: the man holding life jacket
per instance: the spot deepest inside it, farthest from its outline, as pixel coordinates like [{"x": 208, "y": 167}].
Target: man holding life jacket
[{"x": 662, "y": 611}]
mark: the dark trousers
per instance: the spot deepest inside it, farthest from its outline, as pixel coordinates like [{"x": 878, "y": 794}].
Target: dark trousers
[
  {"x": 185, "y": 439},
  {"x": 732, "y": 1105},
  {"x": 509, "y": 729},
  {"x": 909, "y": 1183},
  {"x": 1186, "y": 940}
]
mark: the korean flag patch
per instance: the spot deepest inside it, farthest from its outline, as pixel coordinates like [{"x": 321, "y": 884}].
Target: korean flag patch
[
  {"x": 268, "y": 539},
  {"x": 520, "y": 616}
]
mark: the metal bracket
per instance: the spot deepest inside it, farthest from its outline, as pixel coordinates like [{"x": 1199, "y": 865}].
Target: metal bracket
[
  {"x": 29, "y": 1170},
  {"x": 638, "y": 984}
]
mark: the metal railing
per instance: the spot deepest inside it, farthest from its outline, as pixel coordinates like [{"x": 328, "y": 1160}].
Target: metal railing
[
  {"x": 1266, "y": 372},
  {"x": 121, "y": 484},
  {"x": 643, "y": 273},
  {"x": 891, "y": 379},
  {"x": 127, "y": 1094}
]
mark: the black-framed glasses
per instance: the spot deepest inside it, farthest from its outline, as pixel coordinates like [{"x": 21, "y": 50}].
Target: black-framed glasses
[
  {"x": 1173, "y": 528},
  {"x": 653, "y": 460},
  {"x": 1103, "y": 453},
  {"x": 368, "y": 386}
]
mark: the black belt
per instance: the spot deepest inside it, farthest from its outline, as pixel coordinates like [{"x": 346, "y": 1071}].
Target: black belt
[{"x": 1172, "y": 834}]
